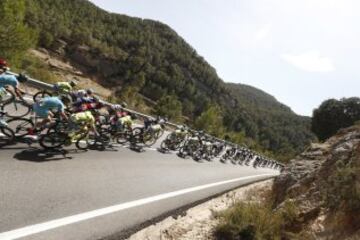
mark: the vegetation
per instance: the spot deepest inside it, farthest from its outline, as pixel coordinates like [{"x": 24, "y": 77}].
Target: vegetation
[
  {"x": 136, "y": 57},
  {"x": 342, "y": 192},
  {"x": 258, "y": 221},
  {"x": 15, "y": 36},
  {"x": 211, "y": 121},
  {"x": 170, "y": 107},
  {"x": 333, "y": 115}
]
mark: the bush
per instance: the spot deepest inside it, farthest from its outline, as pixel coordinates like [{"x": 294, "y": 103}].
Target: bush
[
  {"x": 170, "y": 107},
  {"x": 257, "y": 221},
  {"x": 248, "y": 221},
  {"x": 343, "y": 191}
]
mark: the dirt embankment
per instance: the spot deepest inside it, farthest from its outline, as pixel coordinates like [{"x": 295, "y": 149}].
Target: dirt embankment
[
  {"x": 199, "y": 222},
  {"x": 66, "y": 72}
]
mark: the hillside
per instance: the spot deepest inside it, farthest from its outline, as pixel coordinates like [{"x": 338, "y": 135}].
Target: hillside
[
  {"x": 323, "y": 183},
  {"x": 144, "y": 59},
  {"x": 317, "y": 196}
]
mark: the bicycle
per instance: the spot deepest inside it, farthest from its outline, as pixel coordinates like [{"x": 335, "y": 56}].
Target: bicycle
[
  {"x": 12, "y": 105},
  {"x": 64, "y": 134},
  {"x": 173, "y": 141},
  {"x": 150, "y": 133}
]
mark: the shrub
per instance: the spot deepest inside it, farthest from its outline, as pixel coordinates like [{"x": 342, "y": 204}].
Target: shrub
[
  {"x": 258, "y": 221},
  {"x": 248, "y": 221},
  {"x": 38, "y": 69},
  {"x": 343, "y": 191}
]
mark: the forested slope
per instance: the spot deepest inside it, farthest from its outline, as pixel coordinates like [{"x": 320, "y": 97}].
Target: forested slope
[{"x": 136, "y": 57}]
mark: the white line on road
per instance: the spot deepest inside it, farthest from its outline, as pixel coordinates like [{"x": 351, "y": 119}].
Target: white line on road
[{"x": 41, "y": 227}]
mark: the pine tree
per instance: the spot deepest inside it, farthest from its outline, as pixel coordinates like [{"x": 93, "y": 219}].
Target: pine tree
[{"x": 15, "y": 36}]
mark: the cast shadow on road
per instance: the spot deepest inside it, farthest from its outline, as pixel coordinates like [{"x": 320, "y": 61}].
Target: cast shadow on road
[{"x": 42, "y": 155}]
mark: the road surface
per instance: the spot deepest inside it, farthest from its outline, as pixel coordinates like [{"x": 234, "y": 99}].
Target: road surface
[{"x": 95, "y": 194}]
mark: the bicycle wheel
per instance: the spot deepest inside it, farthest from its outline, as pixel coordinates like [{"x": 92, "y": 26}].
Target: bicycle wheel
[
  {"x": 40, "y": 95},
  {"x": 7, "y": 137},
  {"x": 17, "y": 108},
  {"x": 99, "y": 142},
  {"x": 82, "y": 142},
  {"x": 122, "y": 137},
  {"x": 20, "y": 126},
  {"x": 148, "y": 139},
  {"x": 53, "y": 140}
]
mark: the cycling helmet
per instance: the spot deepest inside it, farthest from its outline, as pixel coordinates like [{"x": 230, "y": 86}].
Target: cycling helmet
[
  {"x": 89, "y": 91},
  {"x": 73, "y": 83},
  {"x": 3, "y": 64},
  {"x": 116, "y": 107},
  {"x": 22, "y": 78},
  {"x": 81, "y": 93},
  {"x": 133, "y": 116}
]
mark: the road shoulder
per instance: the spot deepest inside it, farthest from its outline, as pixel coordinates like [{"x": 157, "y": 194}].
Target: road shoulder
[{"x": 197, "y": 223}]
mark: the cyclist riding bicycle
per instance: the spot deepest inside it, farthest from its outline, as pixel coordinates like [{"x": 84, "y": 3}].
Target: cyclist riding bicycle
[
  {"x": 64, "y": 87},
  {"x": 117, "y": 111},
  {"x": 81, "y": 97},
  {"x": 180, "y": 132},
  {"x": 44, "y": 108},
  {"x": 77, "y": 95},
  {"x": 80, "y": 119},
  {"x": 125, "y": 122},
  {"x": 11, "y": 83}
]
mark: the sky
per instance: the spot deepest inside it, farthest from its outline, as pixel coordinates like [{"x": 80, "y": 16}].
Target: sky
[{"x": 300, "y": 51}]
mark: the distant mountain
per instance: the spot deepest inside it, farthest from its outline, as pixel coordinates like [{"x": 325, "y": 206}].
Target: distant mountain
[{"x": 141, "y": 56}]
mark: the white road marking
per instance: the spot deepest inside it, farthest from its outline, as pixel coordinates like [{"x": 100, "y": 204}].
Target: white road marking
[{"x": 41, "y": 227}]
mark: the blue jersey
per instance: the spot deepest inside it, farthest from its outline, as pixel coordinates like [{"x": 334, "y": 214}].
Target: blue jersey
[
  {"x": 6, "y": 79},
  {"x": 47, "y": 104}
]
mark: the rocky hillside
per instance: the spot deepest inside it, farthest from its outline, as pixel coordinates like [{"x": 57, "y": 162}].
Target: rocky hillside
[{"x": 324, "y": 184}]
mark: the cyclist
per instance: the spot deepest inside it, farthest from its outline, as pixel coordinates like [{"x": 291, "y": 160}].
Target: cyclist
[
  {"x": 64, "y": 87},
  {"x": 77, "y": 95},
  {"x": 83, "y": 119},
  {"x": 44, "y": 108},
  {"x": 7, "y": 81},
  {"x": 179, "y": 133},
  {"x": 125, "y": 121}
]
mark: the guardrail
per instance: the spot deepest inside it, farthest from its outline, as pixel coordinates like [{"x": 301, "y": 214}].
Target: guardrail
[
  {"x": 46, "y": 86},
  {"x": 35, "y": 83}
]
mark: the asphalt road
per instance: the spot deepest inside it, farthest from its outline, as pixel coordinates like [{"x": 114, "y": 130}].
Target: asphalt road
[{"x": 95, "y": 194}]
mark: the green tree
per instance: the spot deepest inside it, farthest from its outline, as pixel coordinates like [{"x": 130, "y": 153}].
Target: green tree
[
  {"x": 333, "y": 115},
  {"x": 15, "y": 36},
  {"x": 211, "y": 121},
  {"x": 169, "y": 106}
]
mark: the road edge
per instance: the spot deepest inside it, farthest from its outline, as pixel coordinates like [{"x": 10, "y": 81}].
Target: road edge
[{"x": 181, "y": 211}]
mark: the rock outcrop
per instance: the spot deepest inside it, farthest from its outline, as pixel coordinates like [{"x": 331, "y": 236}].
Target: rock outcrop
[{"x": 313, "y": 182}]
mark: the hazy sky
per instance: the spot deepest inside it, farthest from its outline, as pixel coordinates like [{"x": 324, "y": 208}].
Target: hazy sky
[{"x": 300, "y": 51}]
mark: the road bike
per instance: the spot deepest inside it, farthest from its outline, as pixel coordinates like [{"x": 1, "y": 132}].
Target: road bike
[{"x": 13, "y": 106}]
